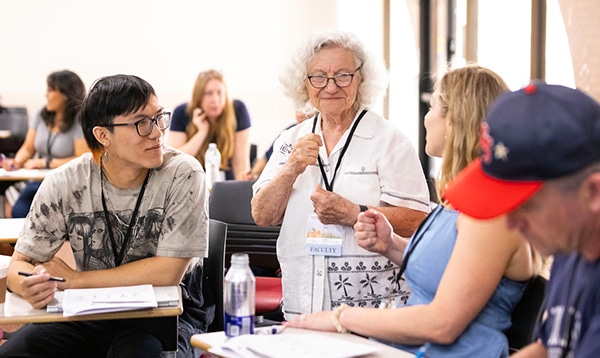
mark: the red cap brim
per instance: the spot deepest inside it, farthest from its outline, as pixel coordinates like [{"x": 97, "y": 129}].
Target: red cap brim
[{"x": 481, "y": 196}]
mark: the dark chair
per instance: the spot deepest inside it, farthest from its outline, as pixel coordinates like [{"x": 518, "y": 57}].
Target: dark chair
[
  {"x": 230, "y": 203},
  {"x": 214, "y": 270},
  {"x": 15, "y": 120},
  {"x": 527, "y": 314}
]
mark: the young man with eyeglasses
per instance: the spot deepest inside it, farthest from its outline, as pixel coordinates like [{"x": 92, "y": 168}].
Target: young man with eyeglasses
[{"x": 134, "y": 211}]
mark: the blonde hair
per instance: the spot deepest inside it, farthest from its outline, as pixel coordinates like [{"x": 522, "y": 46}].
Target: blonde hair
[
  {"x": 224, "y": 127},
  {"x": 465, "y": 94}
]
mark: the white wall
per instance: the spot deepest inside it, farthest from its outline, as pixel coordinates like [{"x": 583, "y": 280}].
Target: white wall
[{"x": 169, "y": 42}]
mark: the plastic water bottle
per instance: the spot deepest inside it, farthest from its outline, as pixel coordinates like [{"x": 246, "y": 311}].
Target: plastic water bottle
[
  {"x": 240, "y": 289},
  {"x": 212, "y": 165}
]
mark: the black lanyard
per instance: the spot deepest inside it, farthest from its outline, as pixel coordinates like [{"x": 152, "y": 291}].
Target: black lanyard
[
  {"x": 417, "y": 236},
  {"x": 49, "y": 143},
  {"x": 328, "y": 185},
  {"x": 120, "y": 254}
]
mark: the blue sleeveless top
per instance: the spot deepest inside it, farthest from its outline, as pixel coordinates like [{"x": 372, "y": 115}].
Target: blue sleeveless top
[{"x": 484, "y": 337}]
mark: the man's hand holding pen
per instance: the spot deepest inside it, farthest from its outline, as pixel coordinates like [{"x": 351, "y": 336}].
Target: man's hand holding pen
[{"x": 38, "y": 287}]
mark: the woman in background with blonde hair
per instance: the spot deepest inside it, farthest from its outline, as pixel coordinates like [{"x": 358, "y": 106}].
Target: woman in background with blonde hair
[{"x": 215, "y": 118}]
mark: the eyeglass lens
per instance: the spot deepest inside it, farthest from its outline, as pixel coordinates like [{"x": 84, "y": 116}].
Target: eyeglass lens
[
  {"x": 162, "y": 120},
  {"x": 341, "y": 80}
]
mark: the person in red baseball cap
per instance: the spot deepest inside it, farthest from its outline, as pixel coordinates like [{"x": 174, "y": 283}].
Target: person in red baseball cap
[{"x": 540, "y": 167}]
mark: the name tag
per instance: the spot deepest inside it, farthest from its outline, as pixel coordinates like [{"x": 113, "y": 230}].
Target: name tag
[{"x": 323, "y": 240}]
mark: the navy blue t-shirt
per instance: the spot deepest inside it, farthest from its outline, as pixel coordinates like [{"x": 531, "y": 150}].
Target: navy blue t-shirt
[
  {"x": 180, "y": 120},
  {"x": 573, "y": 308}
]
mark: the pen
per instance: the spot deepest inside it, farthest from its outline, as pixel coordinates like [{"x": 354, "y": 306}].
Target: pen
[
  {"x": 52, "y": 278},
  {"x": 422, "y": 352},
  {"x": 269, "y": 330},
  {"x": 3, "y": 157}
]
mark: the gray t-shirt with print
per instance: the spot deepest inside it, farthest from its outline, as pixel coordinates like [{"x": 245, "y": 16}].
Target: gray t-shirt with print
[{"x": 172, "y": 219}]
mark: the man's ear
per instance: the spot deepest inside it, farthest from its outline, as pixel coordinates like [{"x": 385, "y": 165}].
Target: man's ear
[
  {"x": 102, "y": 135},
  {"x": 592, "y": 188}
]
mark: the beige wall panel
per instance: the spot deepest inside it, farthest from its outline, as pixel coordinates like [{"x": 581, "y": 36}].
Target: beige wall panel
[{"x": 583, "y": 31}]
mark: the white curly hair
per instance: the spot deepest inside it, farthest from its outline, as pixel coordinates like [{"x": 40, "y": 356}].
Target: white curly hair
[{"x": 374, "y": 75}]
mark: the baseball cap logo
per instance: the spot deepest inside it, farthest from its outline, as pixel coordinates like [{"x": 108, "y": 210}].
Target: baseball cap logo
[
  {"x": 501, "y": 152},
  {"x": 486, "y": 142}
]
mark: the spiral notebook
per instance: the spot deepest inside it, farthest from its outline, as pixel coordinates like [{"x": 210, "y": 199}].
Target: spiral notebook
[{"x": 72, "y": 302}]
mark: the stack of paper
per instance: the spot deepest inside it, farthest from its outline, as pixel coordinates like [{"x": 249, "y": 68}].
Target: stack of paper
[
  {"x": 278, "y": 345},
  {"x": 98, "y": 300}
]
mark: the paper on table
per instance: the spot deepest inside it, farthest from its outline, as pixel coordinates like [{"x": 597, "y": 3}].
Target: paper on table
[
  {"x": 111, "y": 299},
  {"x": 304, "y": 345}
]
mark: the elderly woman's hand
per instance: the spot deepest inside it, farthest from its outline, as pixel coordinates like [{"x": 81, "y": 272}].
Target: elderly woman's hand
[
  {"x": 305, "y": 153},
  {"x": 373, "y": 232},
  {"x": 320, "y": 321},
  {"x": 332, "y": 208}
]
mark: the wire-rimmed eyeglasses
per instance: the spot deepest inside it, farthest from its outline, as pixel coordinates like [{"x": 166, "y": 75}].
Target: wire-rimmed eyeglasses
[
  {"x": 145, "y": 126},
  {"x": 341, "y": 79}
]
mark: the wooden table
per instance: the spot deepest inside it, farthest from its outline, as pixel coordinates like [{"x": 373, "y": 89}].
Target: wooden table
[
  {"x": 10, "y": 229},
  {"x": 207, "y": 340},
  {"x": 8, "y": 178},
  {"x": 162, "y": 322}
]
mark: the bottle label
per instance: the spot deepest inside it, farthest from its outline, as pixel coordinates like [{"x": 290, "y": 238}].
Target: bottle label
[{"x": 238, "y": 325}]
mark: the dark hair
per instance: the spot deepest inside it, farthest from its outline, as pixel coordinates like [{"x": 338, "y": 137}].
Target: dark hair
[
  {"x": 109, "y": 97},
  {"x": 69, "y": 84}
]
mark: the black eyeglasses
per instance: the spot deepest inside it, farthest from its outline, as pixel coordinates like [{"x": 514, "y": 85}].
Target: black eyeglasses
[
  {"x": 145, "y": 126},
  {"x": 341, "y": 79}
]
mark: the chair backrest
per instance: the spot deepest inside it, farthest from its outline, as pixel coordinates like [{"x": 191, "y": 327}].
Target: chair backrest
[
  {"x": 15, "y": 120},
  {"x": 230, "y": 202},
  {"x": 527, "y": 314},
  {"x": 214, "y": 270}
]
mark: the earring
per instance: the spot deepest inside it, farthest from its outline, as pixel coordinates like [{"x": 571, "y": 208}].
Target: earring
[{"x": 105, "y": 156}]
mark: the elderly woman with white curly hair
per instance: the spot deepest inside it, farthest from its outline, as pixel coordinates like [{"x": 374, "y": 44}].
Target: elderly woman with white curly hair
[{"x": 326, "y": 170}]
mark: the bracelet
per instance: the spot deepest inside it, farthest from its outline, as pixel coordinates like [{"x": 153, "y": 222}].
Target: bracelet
[
  {"x": 335, "y": 318},
  {"x": 363, "y": 208},
  {"x": 48, "y": 163}
]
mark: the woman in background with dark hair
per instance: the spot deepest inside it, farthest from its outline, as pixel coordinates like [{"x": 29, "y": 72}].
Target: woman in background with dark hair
[{"x": 55, "y": 136}]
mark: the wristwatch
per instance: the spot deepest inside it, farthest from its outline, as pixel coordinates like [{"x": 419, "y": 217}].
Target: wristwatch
[{"x": 363, "y": 208}]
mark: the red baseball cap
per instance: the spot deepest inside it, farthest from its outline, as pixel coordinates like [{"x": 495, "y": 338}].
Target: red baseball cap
[{"x": 538, "y": 133}]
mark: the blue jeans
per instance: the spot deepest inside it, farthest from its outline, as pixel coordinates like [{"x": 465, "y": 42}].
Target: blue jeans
[{"x": 23, "y": 203}]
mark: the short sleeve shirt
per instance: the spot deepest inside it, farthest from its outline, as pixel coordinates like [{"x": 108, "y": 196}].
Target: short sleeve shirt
[
  {"x": 55, "y": 145},
  {"x": 380, "y": 167},
  {"x": 180, "y": 121},
  {"x": 572, "y": 324},
  {"x": 172, "y": 219}
]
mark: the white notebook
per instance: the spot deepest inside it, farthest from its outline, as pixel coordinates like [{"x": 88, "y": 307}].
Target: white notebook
[{"x": 73, "y": 302}]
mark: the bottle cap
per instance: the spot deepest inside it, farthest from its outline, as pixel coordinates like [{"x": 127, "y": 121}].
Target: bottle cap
[{"x": 239, "y": 258}]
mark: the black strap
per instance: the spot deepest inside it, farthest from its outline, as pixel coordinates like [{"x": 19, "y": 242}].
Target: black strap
[
  {"x": 328, "y": 185},
  {"x": 49, "y": 143},
  {"x": 120, "y": 254},
  {"x": 417, "y": 236}
]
